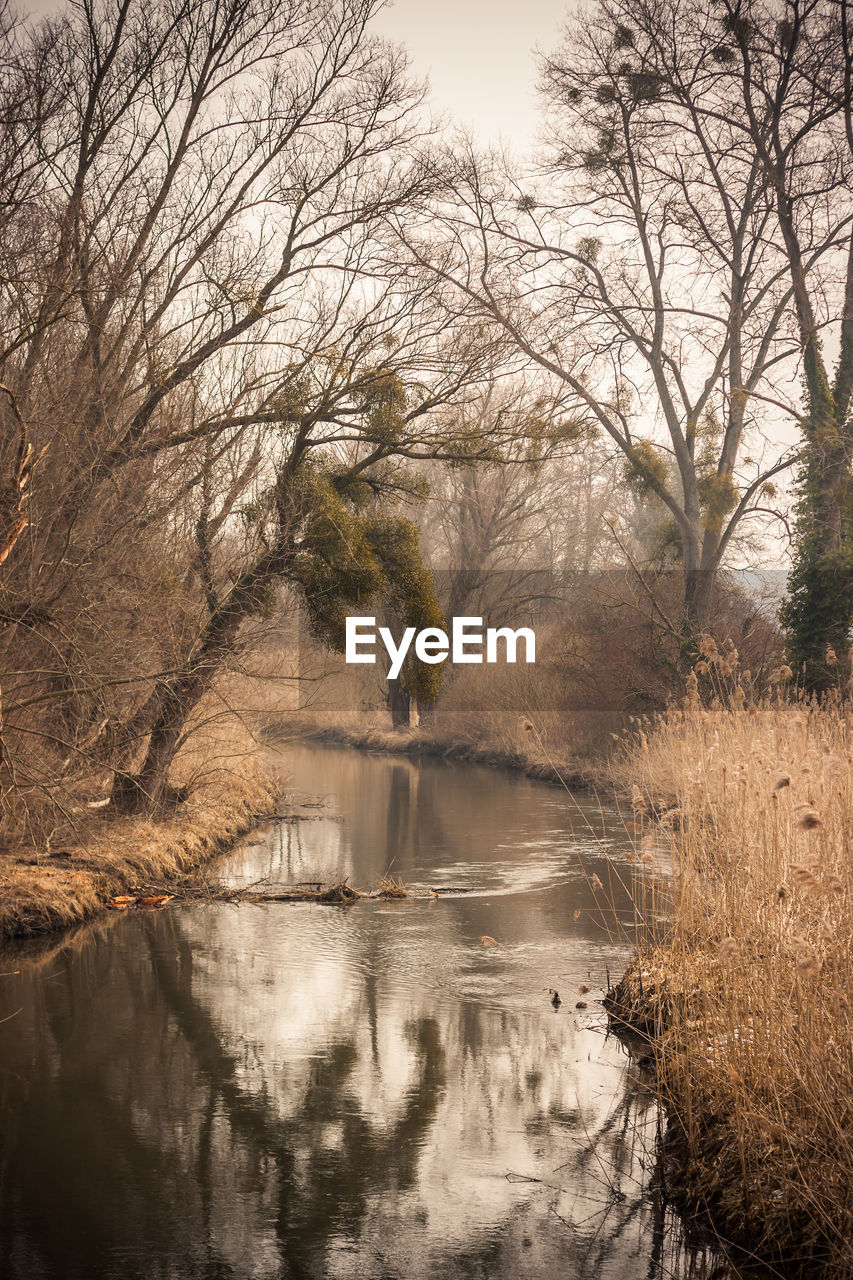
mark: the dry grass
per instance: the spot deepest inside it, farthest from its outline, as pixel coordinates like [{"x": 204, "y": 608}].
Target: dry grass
[
  {"x": 388, "y": 887},
  {"x": 114, "y": 854},
  {"x": 499, "y": 739},
  {"x": 480, "y": 717},
  {"x": 750, "y": 997}
]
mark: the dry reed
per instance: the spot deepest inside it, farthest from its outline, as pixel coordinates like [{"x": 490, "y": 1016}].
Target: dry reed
[{"x": 749, "y": 996}]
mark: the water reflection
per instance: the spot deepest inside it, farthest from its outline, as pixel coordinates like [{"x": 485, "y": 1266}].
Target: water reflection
[{"x": 298, "y": 1091}]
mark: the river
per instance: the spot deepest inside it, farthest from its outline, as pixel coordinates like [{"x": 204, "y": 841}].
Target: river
[{"x": 290, "y": 1090}]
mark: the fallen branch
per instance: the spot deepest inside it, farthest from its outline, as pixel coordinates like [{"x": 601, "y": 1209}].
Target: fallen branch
[{"x": 340, "y": 893}]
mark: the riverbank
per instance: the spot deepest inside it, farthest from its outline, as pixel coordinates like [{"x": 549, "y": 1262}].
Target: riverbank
[
  {"x": 527, "y": 753},
  {"x": 747, "y": 1001},
  {"x": 41, "y": 891},
  {"x": 113, "y": 855}
]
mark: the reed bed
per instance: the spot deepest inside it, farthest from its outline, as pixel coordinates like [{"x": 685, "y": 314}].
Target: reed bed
[{"x": 748, "y": 997}]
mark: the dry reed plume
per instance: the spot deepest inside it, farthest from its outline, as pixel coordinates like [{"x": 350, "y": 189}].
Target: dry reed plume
[{"x": 750, "y": 994}]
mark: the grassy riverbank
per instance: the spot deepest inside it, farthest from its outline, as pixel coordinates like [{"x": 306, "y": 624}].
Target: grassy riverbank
[
  {"x": 111, "y": 854},
  {"x": 509, "y": 742},
  {"x": 748, "y": 999}
]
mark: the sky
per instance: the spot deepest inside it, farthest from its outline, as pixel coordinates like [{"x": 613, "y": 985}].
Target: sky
[
  {"x": 477, "y": 54},
  {"x": 479, "y": 59}
]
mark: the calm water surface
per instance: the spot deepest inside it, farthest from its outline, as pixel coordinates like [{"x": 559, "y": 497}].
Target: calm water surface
[{"x": 290, "y": 1090}]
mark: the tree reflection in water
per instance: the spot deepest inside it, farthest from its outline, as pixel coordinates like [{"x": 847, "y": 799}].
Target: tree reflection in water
[
  {"x": 296, "y": 1091},
  {"x": 145, "y": 1136}
]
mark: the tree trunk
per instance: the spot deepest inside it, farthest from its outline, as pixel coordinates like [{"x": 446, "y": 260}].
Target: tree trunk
[
  {"x": 818, "y": 612},
  {"x": 698, "y": 589},
  {"x": 404, "y": 709},
  {"x": 427, "y": 712},
  {"x": 174, "y": 700},
  {"x": 149, "y": 789},
  {"x": 698, "y": 586}
]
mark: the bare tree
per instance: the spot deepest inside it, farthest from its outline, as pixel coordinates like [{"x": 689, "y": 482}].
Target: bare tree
[
  {"x": 500, "y": 531},
  {"x": 640, "y": 269},
  {"x": 199, "y": 317},
  {"x": 787, "y": 71}
]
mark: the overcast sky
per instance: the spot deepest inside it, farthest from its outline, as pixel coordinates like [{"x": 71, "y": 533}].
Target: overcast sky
[{"x": 478, "y": 55}]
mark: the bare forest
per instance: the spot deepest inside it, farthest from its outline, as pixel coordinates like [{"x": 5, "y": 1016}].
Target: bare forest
[
  {"x": 273, "y": 344},
  {"x": 284, "y": 349}
]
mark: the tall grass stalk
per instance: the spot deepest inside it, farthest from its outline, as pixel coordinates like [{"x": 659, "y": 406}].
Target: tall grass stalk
[{"x": 750, "y": 993}]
